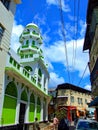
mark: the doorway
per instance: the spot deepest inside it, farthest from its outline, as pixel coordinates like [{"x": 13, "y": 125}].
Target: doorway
[{"x": 22, "y": 116}]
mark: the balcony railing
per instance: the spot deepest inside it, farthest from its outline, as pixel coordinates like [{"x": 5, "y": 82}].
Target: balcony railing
[{"x": 94, "y": 73}]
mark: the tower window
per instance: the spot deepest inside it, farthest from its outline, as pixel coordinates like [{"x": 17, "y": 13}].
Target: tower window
[
  {"x": 1, "y": 31},
  {"x": 6, "y": 3}
]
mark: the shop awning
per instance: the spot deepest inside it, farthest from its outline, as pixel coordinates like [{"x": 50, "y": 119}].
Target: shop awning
[{"x": 94, "y": 102}]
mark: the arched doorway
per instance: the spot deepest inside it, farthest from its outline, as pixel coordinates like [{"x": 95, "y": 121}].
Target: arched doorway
[
  {"x": 32, "y": 108},
  {"x": 38, "y": 114},
  {"x": 10, "y": 102},
  {"x": 24, "y": 99}
]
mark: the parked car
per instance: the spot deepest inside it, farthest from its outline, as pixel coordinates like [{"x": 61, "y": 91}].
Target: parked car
[{"x": 86, "y": 124}]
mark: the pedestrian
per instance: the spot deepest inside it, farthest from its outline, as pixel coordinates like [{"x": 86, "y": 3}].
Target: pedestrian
[
  {"x": 55, "y": 122},
  {"x": 36, "y": 124},
  {"x": 64, "y": 124}
]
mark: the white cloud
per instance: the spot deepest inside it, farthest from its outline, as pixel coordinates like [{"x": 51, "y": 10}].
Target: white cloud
[
  {"x": 65, "y": 7},
  {"x": 55, "y": 80},
  {"x": 88, "y": 87},
  {"x": 56, "y": 53},
  {"x": 16, "y": 32},
  {"x": 39, "y": 20}
]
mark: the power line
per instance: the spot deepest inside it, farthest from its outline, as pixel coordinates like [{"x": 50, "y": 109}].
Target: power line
[
  {"x": 64, "y": 37},
  {"x": 83, "y": 74},
  {"x": 75, "y": 32}
]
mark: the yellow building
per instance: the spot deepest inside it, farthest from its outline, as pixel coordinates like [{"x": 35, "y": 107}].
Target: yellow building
[
  {"x": 91, "y": 44},
  {"x": 72, "y": 99}
]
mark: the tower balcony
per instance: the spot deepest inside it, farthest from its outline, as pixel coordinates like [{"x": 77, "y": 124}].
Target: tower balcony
[{"x": 28, "y": 35}]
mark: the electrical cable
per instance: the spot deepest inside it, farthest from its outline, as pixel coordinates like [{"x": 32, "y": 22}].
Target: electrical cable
[
  {"x": 64, "y": 37},
  {"x": 75, "y": 32},
  {"x": 83, "y": 74}
]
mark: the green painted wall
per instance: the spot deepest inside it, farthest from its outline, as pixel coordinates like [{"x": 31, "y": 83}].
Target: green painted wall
[
  {"x": 31, "y": 112},
  {"x": 9, "y": 110},
  {"x": 38, "y": 114}
]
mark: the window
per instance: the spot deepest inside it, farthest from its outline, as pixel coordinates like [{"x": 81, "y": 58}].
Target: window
[
  {"x": 62, "y": 92},
  {"x": 72, "y": 99},
  {"x": 80, "y": 101},
  {"x": 85, "y": 100},
  {"x": 1, "y": 32},
  {"x": 6, "y": 3}
]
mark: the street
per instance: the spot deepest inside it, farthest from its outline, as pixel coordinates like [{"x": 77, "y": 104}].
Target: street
[{"x": 72, "y": 128}]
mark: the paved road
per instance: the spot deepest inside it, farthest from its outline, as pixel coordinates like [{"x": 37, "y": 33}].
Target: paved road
[{"x": 72, "y": 128}]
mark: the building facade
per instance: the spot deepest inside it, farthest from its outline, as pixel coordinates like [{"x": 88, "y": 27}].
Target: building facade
[
  {"x": 91, "y": 44},
  {"x": 72, "y": 100},
  {"x": 23, "y": 75}
]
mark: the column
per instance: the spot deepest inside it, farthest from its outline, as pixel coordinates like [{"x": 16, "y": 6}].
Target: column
[
  {"x": 46, "y": 85},
  {"x": 27, "y": 109},
  {"x": 41, "y": 109},
  {"x": 35, "y": 105},
  {"x": 36, "y": 75},
  {"x": 42, "y": 82},
  {"x": 46, "y": 111},
  {"x": 18, "y": 106}
]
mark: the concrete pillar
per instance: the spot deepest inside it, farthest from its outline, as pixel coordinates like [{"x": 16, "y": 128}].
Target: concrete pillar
[
  {"x": 42, "y": 109},
  {"x": 18, "y": 106}
]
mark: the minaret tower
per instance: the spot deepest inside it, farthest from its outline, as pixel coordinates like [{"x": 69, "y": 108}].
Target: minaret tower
[{"x": 31, "y": 41}]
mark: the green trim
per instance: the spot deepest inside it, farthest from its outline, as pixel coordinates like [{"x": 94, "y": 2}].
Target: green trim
[
  {"x": 11, "y": 60},
  {"x": 24, "y": 33},
  {"x": 35, "y": 33},
  {"x": 34, "y": 46},
  {"x": 26, "y": 79},
  {"x": 33, "y": 42},
  {"x": 25, "y": 46},
  {"x": 32, "y": 26}
]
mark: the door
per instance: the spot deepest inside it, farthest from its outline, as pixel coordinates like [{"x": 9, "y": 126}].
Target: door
[{"x": 22, "y": 116}]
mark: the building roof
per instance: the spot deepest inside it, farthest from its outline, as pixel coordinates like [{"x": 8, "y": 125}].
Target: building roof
[
  {"x": 91, "y": 5},
  {"x": 72, "y": 87}
]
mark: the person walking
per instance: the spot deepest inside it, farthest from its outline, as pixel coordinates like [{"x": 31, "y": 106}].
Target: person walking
[
  {"x": 55, "y": 122},
  {"x": 36, "y": 124},
  {"x": 64, "y": 124}
]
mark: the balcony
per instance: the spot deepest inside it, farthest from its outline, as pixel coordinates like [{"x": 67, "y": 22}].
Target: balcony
[{"x": 94, "y": 73}]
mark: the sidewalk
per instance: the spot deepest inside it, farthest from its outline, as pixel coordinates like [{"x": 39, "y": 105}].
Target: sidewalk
[{"x": 47, "y": 126}]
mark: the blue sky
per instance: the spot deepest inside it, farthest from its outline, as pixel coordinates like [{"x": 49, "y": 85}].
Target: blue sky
[{"x": 46, "y": 14}]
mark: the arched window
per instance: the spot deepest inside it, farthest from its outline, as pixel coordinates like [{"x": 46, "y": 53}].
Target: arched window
[
  {"x": 11, "y": 89},
  {"x": 24, "y": 96},
  {"x": 31, "y": 108},
  {"x": 28, "y": 68},
  {"x": 32, "y": 99},
  {"x": 40, "y": 73}
]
